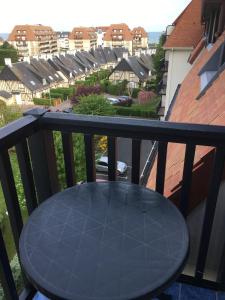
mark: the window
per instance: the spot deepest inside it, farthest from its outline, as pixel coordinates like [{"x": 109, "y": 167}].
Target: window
[
  {"x": 32, "y": 82},
  {"x": 212, "y": 69},
  {"x": 50, "y": 77},
  {"x": 56, "y": 75},
  {"x": 142, "y": 73}
]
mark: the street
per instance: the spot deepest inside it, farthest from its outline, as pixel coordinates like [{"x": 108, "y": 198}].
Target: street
[{"x": 124, "y": 149}]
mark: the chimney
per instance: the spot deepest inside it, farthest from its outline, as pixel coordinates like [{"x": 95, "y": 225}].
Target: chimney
[
  {"x": 137, "y": 53},
  {"x": 27, "y": 59},
  {"x": 8, "y": 62},
  {"x": 43, "y": 56},
  {"x": 125, "y": 55},
  {"x": 44, "y": 82},
  {"x": 49, "y": 56}
]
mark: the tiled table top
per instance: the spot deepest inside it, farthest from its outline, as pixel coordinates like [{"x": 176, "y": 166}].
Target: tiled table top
[{"x": 179, "y": 291}]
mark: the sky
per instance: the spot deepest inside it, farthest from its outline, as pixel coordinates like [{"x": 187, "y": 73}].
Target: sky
[{"x": 153, "y": 15}]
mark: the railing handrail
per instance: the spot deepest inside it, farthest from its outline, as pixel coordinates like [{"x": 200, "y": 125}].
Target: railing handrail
[
  {"x": 208, "y": 135},
  {"x": 13, "y": 132}
]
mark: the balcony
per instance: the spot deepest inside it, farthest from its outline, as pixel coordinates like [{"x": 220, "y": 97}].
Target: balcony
[{"x": 32, "y": 137}]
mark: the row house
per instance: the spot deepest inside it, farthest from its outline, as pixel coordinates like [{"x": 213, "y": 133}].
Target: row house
[
  {"x": 31, "y": 40},
  {"x": 200, "y": 99},
  {"x": 31, "y": 78},
  {"x": 136, "y": 70},
  {"x": 182, "y": 37},
  {"x": 28, "y": 80},
  {"x": 82, "y": 38}
]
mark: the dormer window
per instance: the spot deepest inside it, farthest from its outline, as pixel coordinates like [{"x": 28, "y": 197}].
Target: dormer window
[{"x": 212, "y": 69}]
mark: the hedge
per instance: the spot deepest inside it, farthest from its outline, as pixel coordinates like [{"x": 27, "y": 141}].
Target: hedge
[
  {"x": 135, "y": 112},
  {"x": 138, "y": 110},
  {"x": 62, "y": 93},
  {"x": 82, "y": 82},
  {"x": 114, "y": 88},
  {"x": 43, "y": 101}
]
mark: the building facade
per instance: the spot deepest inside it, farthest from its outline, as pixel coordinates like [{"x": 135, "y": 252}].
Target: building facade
[
  {"x": 82, "y": 38},
  {"x": 117, "y": 36},
  {"x": 63, "y": 40},
  {"x": 140, "y": 39},
  {"x": 32, "y": 40},
  {"x": 182, "y": 37},
  {"x": 100, "y": 31}
]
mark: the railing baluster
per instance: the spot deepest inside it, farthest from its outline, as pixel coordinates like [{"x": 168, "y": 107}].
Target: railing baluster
[
  {"x": 11, "y": 198},
  {"x": 210, "y": 208},
  {"x": 90, "y": 157},
  {"x": 112, "y": 158},
  {"x": 136, "y": 152},
  {"x": 6, "y": 277},
  {"x": 26, "y": 175},
  {"x": 187, "y": 176},
  {"x": 67, "y": 141},
  {"x": 161, "y": 167},
  {"x": 43, "y": 158}
]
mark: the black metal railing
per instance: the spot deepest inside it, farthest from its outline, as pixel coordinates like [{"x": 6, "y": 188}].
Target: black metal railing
[{"x": 32, "y": 137}]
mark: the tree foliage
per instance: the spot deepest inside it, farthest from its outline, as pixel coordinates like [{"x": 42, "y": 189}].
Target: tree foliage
[
  {"x": 158, "y": 59},
  {"x": 7, "y": 51},
  {"x": 94, "y": 105}
]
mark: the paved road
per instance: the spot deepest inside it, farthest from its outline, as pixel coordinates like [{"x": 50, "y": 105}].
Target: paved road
[{"x": 124, "y": 147}]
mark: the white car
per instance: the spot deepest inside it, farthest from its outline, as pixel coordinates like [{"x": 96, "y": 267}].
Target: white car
[{"x": 102, "y": 165}]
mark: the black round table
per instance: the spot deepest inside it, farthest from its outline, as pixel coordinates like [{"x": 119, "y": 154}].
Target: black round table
[{"x": 109, "y": 240}]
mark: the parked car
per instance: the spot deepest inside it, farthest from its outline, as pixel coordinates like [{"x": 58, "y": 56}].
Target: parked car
[
  {"x": 102, "y": 166},
  {"x": 113, "y": 101},
  {"x": 125, "y": 100}
]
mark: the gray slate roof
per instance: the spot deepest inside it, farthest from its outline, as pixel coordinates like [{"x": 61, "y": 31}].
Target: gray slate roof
[
  {"x": 132, "y": 64},
  {"x": 99, "y": 55}
]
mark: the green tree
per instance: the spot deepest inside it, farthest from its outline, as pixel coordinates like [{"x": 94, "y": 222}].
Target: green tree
[
  {"x": 94, "y": 105},
  {"x": 158, "y": 60},
  {"x": 8, "y": 51}
]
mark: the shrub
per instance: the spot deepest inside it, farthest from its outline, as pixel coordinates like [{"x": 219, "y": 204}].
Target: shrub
[
  {"x": 139, "y": 110},
  {"x": 62, "y": 92},
  {"x": 43, "y": 101},
  {"x": 135, "y": 92},
  {"x": 145, "y": 96},
  {"x": 94, "y": 105},
  {"x": 87, "y": 90}
]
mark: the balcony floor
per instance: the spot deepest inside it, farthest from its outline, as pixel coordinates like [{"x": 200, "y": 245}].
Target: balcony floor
[{"x": 179, "y": 291}]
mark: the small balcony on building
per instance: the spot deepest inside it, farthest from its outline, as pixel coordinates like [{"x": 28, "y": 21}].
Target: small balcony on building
[{"x": 31, "y": 140}]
